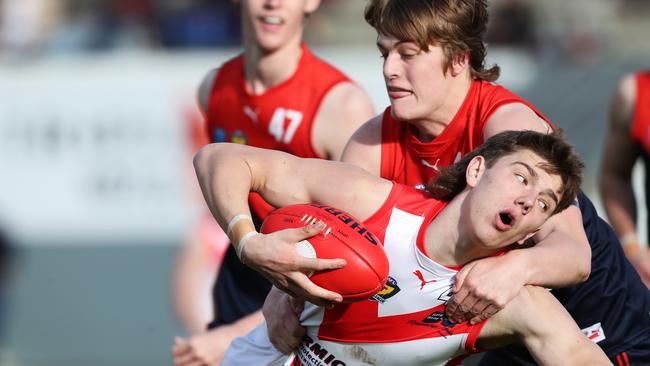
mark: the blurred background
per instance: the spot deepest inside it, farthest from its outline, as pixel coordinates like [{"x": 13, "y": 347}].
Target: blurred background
[{"x": 98, "y": 125}]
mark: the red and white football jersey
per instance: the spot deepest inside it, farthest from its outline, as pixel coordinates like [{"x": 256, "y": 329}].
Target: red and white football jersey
[{"x": 404, "y": 324}]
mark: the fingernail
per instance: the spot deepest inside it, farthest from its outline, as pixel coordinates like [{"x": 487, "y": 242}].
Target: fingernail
[{"x": 319, "y": 225}]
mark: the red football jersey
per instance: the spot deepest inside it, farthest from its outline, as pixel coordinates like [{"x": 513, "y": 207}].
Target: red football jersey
[
  {"x": 640, "y": 128},
  {"x": 407, "y": 160},
  {"x": 281, "y": 118}
]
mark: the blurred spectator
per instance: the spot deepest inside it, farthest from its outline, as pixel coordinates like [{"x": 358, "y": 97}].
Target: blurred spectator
[
  {"x": 26, "y": 24},
  {"x": 627, "y": 140},
  {"x": 199, "y": 23},
  {"x": 90, "y": 25},
  {"x": 512, "y": 23}
]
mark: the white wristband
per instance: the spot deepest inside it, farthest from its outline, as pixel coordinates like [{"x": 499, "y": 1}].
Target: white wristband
[
  {"x": 235, "y": 220},
  {"x": 242, "y": 244}
]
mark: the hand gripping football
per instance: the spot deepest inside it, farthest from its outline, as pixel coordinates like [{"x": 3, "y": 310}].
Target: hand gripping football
[{"x": 343, "y": 237}]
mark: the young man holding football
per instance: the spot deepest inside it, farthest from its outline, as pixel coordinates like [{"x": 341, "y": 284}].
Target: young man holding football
[
  {"x": 500, "y": 194},
  {"x": 443, "y": 105}
]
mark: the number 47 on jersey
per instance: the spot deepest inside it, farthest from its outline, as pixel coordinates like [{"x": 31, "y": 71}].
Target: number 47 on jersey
[{"x": 278, "y": 128}]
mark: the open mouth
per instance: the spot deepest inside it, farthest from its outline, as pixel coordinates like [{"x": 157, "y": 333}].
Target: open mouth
[
  {"x": 505, "y": 218},
  {"x": 272, "y": 20},
  {"x": 505, "y": 221}
]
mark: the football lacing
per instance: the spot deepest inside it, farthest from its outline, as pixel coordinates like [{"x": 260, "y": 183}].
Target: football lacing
[{"x": 311, "y": 220}]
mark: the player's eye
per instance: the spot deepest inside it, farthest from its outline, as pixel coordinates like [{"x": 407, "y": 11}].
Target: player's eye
[
  {"x": 543, "y": 205},
  {"x": 521, "y": 179}
]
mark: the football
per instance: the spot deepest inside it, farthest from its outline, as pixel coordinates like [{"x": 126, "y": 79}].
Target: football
[{"x": 343, "y": 237}]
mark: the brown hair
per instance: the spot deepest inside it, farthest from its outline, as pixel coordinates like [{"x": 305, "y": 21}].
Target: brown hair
[
  {"x": 559, "y": 155},
  {"x": 458, "y": 26}
]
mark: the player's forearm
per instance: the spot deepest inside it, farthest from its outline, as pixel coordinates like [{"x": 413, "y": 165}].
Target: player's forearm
[
  {"x": 548, "y": 331},
  {"x": 620, "y": 205},
  {"x": 225, "y": 180},
  {"x": 556, "y": 261}
]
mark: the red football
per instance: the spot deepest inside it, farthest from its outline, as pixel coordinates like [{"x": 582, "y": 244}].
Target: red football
[{"x": 343, "y": 237}]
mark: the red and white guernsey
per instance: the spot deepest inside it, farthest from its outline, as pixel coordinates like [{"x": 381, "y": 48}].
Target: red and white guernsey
[
  {"x": 407, "y": 160},
  {"x": 280, "y": 119},
  {"x": 404, "y": 324}
]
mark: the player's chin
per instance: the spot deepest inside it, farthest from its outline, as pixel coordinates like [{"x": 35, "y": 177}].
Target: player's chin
[
  {"x": 270, "y": 43},
  {"x": 404, "y": 111}
]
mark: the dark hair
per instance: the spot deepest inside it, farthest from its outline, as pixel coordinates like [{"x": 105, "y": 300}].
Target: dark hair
[
  {"x": 559, "y": 155},
  {"x": 458, "y": 26}
]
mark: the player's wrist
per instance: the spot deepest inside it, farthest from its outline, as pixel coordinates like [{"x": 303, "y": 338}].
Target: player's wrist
[
  {"x": 520, "y": 261},
  {"x": 240, "y": 230}
]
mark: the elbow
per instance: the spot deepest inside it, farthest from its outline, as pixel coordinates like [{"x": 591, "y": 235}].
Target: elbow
[
  {"x": 200, "y": 157},
  {"x": 205, "y": 156}
]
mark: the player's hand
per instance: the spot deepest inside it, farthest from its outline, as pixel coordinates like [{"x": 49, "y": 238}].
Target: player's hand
[
  {"x": 483, "y": 287},
  {"x": 274, "y": 255},
  {"x": 282, "y": 314},
  {"x": 206, "y": 349},
  {"x": 641, "y": 262}
]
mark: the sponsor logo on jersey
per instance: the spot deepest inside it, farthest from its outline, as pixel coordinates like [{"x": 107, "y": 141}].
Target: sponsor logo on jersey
[
  {"x": 445, "y": 296},
  {"x": 595, "y": 333},
  {"x": 390, "y": 289},
  {"x": 238, "y": 137},
  {"x": 438, "y": 322},
  {"x": 219, "y": 135},
  {"x": 252, "y": 114},
  {"x": 351, "y": 222},
  {"x": 314, "y": 354},
  {"x": 433, "y": 166},
  {"x": 437, "y": 317},
  {"x": 420, "y": 277}
]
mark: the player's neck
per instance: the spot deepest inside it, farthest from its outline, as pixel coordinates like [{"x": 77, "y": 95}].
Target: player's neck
[
  {"x": 441, "y": 117},
  {"x": 442, "y": 235},
  {"x": 264, "y": 70},
  {"x": 446, "y": 241}
]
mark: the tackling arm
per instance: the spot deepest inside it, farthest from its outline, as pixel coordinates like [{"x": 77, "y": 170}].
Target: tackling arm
[{"x": 536, "y": 319}]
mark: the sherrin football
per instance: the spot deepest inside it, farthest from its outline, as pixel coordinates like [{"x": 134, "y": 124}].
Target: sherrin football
[{"x": 343, "y": 237}]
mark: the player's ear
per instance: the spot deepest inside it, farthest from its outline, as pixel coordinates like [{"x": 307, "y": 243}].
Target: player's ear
[
  {"x": 311, "y": 6},
  {"x": 459, "y": 63},
  {"x": 475, "y": 170},
  {"x": 523, "y": 240}
]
